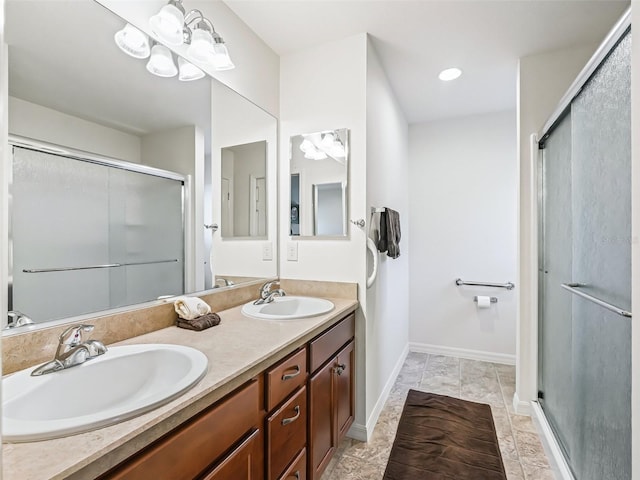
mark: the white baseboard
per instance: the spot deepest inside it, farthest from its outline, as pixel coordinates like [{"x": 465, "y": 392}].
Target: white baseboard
[
  {"x": 520, "y": 406},
  {"x": 556, "y": 458},
  {"x": 364, "y": 432},
  {"x": 463, "y": 353}
]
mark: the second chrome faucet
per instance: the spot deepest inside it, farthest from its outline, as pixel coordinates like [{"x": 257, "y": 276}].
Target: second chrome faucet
[
  {"x": 72, "y": 350},
  {"x": 267, "y": 294}
]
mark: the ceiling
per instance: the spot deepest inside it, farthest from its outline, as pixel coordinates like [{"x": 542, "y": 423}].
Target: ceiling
[{"x": 417, "y": 39}]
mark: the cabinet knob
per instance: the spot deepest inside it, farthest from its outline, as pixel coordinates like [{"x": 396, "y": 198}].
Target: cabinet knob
[{"x": 340, "y": 368}]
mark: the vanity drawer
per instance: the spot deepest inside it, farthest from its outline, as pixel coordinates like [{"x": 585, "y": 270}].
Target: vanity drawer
[
  {"x": 185, "y": 452},
  {"x": 298, "y": 469},
  {"x": 286, "y": 433},
  {"x": 285, "y": 377},
  {"x": 326, "y": 345}
]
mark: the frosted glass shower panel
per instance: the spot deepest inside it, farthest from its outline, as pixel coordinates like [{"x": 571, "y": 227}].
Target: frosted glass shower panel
[
  {"x": 59, "y": 219},
  {"x": 555, "y": 369},
  {"x": 601, "y": 119},
  {"x": 89, "y": 236}
]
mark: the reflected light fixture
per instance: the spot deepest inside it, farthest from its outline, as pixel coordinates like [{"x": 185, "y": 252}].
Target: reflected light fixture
[
  {"x": 161, "y": 62},
  {"x": 188, "y": 71},
  {"x": 318, "y": 146},
  {"x": 449, "y": 74},
  {"x": 133, "y": 42}
]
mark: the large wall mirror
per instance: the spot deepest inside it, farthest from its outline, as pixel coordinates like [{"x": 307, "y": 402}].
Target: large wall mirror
[
  {"x": 318, "y": 184},
  {"x": 149, "y": 141}
]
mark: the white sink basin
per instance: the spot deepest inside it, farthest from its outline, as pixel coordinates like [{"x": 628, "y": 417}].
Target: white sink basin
[
  {"x": 123, "y": 383},
  {"x": 288, "y": 308}
]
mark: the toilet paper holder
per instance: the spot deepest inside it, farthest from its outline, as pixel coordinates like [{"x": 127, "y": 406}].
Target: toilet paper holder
[{"x": 493, "y": 299}]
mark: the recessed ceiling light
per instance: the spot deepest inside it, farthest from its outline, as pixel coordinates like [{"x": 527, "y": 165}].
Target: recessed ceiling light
[{"x": 449, "y": 74}]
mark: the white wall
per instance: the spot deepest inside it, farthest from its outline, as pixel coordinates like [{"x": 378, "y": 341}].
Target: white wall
[
  {"x": 181, "y": 150},
  {"x": 256, "y": 75},
  {"x": 315, "y": 99},
  {"x": 463, "y": 192},
  {"x": 5, "y": 169},
  {"x": 41, "y": 123},
  {"x": 387, "y": 301},
  {"x": 248, "y": 160},
  {"x": 542, "y": 80}
]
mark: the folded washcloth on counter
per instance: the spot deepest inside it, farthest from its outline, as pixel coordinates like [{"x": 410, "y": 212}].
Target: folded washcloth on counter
[
  {"x": 201, "y": 323},
  {"x": 189, "y": 308}
]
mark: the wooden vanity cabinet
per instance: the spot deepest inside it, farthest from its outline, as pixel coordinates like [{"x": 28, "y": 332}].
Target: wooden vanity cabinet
[
  {"x": 281, "y": 425},
  {"x": 215, "y": 441},
  {"x": 331, "y": 393}
]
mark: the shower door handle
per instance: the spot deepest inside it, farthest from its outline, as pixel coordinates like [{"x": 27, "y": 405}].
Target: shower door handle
[{"x": 573, "y": 288}]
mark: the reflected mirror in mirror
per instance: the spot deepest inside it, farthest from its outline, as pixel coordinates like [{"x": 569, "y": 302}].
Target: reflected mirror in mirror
[
  {"x": 244, "y": 191},
  {"x": 318, "y": 184},
  {"x": 90, "y": 98}
]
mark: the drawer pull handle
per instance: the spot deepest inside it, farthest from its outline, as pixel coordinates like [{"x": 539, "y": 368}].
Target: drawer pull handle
[
  {"x": 287, "y": 421},
  {"x": 340, "y": 368},
  {"x": 296, "y": 475},
  {"x": 289, "y": 376}
]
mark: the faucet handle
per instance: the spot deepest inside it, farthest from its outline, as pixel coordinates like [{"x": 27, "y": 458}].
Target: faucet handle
[
  {"x": 73, "y": 335},
  {"x": 266, "y": 288}
]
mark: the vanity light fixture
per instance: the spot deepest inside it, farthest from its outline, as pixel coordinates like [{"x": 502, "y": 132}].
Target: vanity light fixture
[
  {"x": 449, "y": 74},
  {"x": 133, "y": 42},
  {"x": 174, "y": 27}
]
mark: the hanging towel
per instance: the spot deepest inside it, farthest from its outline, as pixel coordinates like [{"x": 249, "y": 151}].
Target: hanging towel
[
  {"x": 393, "y": 233},
  {"x": 381, "y": 230}
]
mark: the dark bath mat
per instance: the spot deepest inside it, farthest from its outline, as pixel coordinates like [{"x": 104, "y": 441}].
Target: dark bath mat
[{"x": 441, "y": 437}]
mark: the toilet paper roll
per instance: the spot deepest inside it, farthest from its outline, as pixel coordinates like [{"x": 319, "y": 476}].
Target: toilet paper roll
[{"x": 483, "y": 301}]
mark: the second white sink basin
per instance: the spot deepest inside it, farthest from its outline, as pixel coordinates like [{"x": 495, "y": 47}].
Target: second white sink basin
[
  {"x": 288, "y": 308},
  {"x": 123, "y": 383}
]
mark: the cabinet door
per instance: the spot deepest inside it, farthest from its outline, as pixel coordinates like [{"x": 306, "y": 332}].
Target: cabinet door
[
  {"x": 243, "y": 463},
  {"x": 322, "y": 424},
  {"x": 344, "y": 388}
]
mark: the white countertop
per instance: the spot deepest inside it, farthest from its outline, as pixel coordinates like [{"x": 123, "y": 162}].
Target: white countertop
[{"x": 237, "y": 349}]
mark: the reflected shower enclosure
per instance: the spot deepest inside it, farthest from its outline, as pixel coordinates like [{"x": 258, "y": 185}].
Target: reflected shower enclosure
[{"x": 90, "y": 234}]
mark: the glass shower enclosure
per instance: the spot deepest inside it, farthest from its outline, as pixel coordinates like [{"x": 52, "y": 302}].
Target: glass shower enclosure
[
  {"x": 584, "y": 329},
  {"x": 89, "y": 234}
]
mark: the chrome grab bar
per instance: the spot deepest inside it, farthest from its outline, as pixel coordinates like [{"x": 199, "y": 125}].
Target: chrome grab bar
[
  {"x": 572, "y": 287},
  {"x": 91, "y": 267},
  {"x": 508, "y": 285}
]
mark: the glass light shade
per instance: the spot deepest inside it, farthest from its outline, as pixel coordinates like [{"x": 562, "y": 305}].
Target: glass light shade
[
  {"x": 307, "y": 146},
  {"x": 132, "y": 41},
  {"x": 167, "y": 24},
  {"x": 161, "y": 62},
  {"x": 201, "y": 47},
  {"x": 336, "y": 150},
  {"x": 188, "y": 71},
  {"x": 315, "y": 155},
  {"x": 221, "y": 59},
  {"x": 327, "y": 140}
]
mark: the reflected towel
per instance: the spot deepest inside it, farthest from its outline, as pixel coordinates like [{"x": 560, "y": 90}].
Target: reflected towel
[
  {"x": 189, "y": 308},
  {"x": 201, "y": 323},
  {"x": 393, "y": 233}
]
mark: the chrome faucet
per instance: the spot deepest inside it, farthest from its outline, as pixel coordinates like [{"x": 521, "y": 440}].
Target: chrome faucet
[
  {"x": 267, "y": 294},
  {"x": 72, "y": 350},
  {"x": 224, "y": 282},
  {"x": 17, "y": 319}
]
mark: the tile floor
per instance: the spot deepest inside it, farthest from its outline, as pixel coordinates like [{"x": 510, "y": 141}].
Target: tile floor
[{"x": 522, "y": 452}]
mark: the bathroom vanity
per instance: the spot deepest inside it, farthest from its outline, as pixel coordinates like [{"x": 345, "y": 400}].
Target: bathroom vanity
[{"x": 277, "y": 398}]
